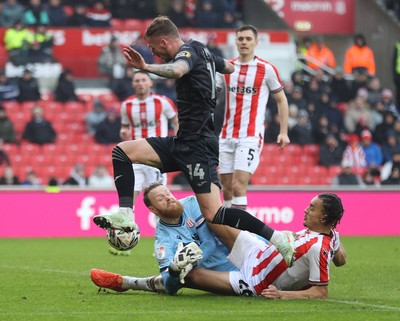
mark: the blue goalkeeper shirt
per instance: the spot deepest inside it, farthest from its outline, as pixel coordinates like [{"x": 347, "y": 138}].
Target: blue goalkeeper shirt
[{"x": 191, "y": 228}]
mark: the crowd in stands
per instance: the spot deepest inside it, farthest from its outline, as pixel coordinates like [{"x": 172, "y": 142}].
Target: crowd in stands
[
  {"x": 100, "y": 13},
  {"x": 352, "y": 124}
]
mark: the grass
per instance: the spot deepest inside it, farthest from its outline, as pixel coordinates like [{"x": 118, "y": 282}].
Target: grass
[{"x": 48, "y": 279}]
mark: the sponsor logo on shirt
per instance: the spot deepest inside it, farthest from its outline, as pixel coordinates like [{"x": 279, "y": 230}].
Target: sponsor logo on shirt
[
  {"x": 183, "y": 54},
  {"x": 160, "y": 252},
  {"x": 243, "y": 90}
]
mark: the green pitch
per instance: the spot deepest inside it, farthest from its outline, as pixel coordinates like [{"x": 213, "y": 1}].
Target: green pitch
[{"x": 48, "y": 279}]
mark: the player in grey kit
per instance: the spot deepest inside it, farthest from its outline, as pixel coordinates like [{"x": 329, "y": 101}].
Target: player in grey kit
[{"x": 194, "y": 150}]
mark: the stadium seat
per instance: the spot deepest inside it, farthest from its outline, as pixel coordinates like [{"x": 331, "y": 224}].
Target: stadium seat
[
  {"x": 47, "y": 97},
  {"x": 51, "y": 107},
  {"x": 26, "y": 106},
  {"x": 75, "y": 107},
  {"x": 10, "y": 148},
  {"x": 29, "y": 148},
  {"x": 109, "y": 100},
  {"x": 11, "y": 106}
]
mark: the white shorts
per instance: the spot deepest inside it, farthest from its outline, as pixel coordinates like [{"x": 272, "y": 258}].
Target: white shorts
[
  {"x": 243, "y": 255},
  {"x": 239, "y": 154},
  {"x": 146, "y": 175}
]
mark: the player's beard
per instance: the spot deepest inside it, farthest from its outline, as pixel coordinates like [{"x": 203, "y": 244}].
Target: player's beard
[{"x": 173, "y": 211}]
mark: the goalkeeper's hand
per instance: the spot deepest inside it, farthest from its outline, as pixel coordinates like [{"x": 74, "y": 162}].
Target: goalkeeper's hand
[
  {"x": 185, "y": 272},
  {"x": 185, "y": 255}
]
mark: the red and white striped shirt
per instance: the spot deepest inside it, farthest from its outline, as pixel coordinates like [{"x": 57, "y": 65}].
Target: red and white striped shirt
[
  {"x": 247, "y": 92},
  {"x": 148, "y": 117},
  {"x": 314, "y": 252}
]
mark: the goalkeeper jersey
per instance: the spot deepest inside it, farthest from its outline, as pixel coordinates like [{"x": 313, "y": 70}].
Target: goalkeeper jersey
[{"x": 191, "y": 228}]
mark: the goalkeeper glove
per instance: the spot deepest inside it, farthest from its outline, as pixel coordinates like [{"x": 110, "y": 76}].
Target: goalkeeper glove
[{"x": 185, "y": 256}]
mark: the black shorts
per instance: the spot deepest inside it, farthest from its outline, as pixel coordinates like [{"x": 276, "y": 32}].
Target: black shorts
[{"x": 197, "y": 159}]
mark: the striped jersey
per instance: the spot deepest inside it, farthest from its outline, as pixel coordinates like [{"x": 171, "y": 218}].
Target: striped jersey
[
  {"x": 148, "y": 117},
  {"x": 314, "y": 252},
  {"x": 247, "y": 91}
]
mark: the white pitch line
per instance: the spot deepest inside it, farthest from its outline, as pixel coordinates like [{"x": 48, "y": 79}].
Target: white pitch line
[
  {"x": 28, "y": 268},
  {"x": 386, "y": 307}
]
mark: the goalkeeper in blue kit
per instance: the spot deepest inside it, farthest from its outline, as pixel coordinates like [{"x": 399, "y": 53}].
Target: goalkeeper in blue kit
[{"x": 183, "y": 241}]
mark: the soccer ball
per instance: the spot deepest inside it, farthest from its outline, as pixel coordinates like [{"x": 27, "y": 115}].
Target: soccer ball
[{"x": 123, "y": 241}]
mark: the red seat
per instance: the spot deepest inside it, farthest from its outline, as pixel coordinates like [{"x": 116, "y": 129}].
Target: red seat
[
  {"x": 11, "y": 106},
  {"x": 47, "y": 97},
  {"x": 74, "y": 107},
  {"x": 109, "y": 100},
  {"x": 52, "y": 107},
  {"x": 10, "y": 148},
  {"x": 29, "y": 148}
]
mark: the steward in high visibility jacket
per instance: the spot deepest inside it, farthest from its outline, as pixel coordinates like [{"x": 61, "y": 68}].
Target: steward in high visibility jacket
[{"x": 359, "y": 56}]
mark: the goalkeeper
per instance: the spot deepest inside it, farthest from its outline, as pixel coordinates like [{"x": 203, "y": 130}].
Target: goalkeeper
[{"x": 183, "y": 241}]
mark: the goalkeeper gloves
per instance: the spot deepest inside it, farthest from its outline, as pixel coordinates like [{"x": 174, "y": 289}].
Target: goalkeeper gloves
[{"x": 184, "y": 260}]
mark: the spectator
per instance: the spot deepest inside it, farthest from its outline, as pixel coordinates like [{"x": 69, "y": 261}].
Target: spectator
[
  {"x": 301, "y": 133},
  {"x": 28, "y": 87},
  {"x": 57, "y": 15},
  {"x": 40, "y": 45},
  {"x": 272, "y": 129},
  {"x": 8, "y": 88},
  {"x": 78, "y": 17},
  {"x": 387, "y": 167},
  {"x": 100, "y": 178},
  {"x": 123, "y": 87},
  {"x": 77, "y": 177},
  {"x": 4, "y": 159},
  {"x": 376, "y": 115},
  {"x": 374, "y": 90},
  {"x": 166, "y": 87},
  {"x": 359, "y": 56},
  {"x": 142, "y": 9},
  {"x": 107, "y": 132},
  {"x": 328, "y": 107},
  {"x": 339, "y": 87},
  {"x": 35, "y": 14},
  {"x": 396, "y": 70},
  {"x": 388, "y": 103},
  {"x": 320, "y": 129},
  {"x": 207, "y": 17},
  {"x": 98, "y": 15},
  {"x": 330, "y": 152},
  {"x": 9, "y": 178},
  {"x": 212, "y": 45},
  {"x": 39, "y": 130},
  {"x": 176, "y": 13},
  {"x": 141, "y": 47},
  {"x": 7, "y": 132},
  {"x": 396, "y": 129},
  {"x": 297, "y": 98},
  {"x": 16, "y": 43},
  {"x": 293, "y": 116},
  {"x": 111, "y": 62},
  {"x": 360, "y": 82},
  {"x": 354, "y": 154},
  {"x": 358, "y": 111},
  {"x": 312, "y": 91},
  {"x": 95, "y": 117},
  {"x": 370, "y": 180},
  {"x": 228, "y": 20},
  {"x": 12, "y": 12},
  {"x": 31, "y": 179},
  {"x": 394, "y": 178},
  {"x": 347, "y": 177},
  {"x": 390, "y": 146},
  {"x": 384, "y": 127},
  {"x": 320, "y": 55},
  {"x": 65, "y": 90},
  {"x": 373, "y": 152}
]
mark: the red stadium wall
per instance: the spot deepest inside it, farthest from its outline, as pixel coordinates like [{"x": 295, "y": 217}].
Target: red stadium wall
[{"x": 69, "y": 213}]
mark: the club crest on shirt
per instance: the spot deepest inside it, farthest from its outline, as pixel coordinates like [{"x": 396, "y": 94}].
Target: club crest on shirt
[
  {"x": 160, "y": 252},
  {"x": 242, "y": 78},
  {"x": 183, "y": 54},
  {"x": 189, "y": 223}
]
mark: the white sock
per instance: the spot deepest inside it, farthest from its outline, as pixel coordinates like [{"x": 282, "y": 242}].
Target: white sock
[
  {"x": 228, "y": 203},
  {"x": 276, "y": 237},
  {"x": 128, "y": 212},
  {"x": 151, "y": 284},
  {"x": 239, "y": 202}
]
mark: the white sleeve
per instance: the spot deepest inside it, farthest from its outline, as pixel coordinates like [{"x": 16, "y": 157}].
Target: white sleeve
[
  {"x": 124, "y": 116},
  {"x": 220, "y": 81},
  {"x": 273, "y": 81},
  {"x": 169, "y": 109}
]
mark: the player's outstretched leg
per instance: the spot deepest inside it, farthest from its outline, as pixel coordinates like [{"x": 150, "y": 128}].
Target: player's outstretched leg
[
  {"x": 122, "y": 219},
  {"x": 107, "y": 280}
]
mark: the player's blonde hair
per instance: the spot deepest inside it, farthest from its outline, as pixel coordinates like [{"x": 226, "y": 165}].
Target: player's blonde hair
[{"x": 162, "y": 26}]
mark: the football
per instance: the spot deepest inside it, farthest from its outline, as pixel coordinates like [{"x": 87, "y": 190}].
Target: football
[{"x": 123, "y": 241}]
